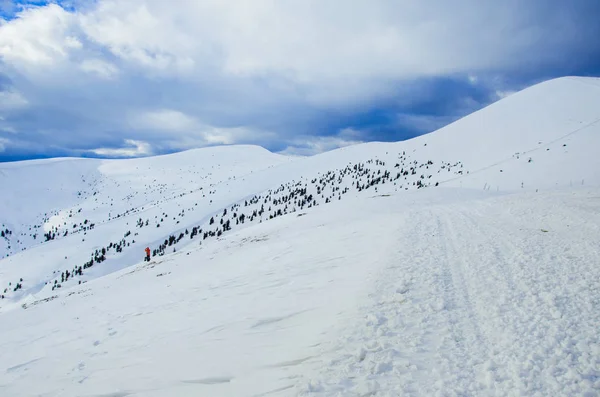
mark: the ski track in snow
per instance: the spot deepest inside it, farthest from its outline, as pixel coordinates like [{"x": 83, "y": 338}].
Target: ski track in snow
[{"x": 468, "y": 308}]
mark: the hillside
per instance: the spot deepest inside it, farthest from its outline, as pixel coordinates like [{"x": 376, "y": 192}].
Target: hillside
[{"x": 382, "y": 268}]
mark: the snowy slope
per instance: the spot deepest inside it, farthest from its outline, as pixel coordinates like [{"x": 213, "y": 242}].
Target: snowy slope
[
  {"x": 46, "y": 192},
  {"x": 266, "y": 264},
  {"x": 106, "y": 212},
  {"x": 439, "y": 292}
]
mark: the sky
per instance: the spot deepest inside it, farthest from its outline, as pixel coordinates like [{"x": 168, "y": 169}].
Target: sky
[{"x": 114, "y": 78}]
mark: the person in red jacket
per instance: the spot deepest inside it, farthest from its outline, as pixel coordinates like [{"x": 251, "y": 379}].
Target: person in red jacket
[{"x": 147, "y": 254}]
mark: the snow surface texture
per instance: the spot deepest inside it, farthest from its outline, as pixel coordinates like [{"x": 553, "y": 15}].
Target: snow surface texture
[
  {"x": 401, "y": 296},
  {"x": 462, "y": 262}
]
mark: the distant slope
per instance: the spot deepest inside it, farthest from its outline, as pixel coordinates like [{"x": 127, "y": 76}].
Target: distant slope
[
  {"x": 556, "y": 124},
  {"x": 104, "y": 212},
  {"x": 41, "y": 195}
]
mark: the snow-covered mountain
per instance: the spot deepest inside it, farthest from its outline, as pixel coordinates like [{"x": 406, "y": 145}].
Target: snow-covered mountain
[{"x": 461, "y": 262}]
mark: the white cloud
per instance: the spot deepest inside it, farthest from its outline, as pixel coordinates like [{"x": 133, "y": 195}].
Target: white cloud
[
  {"x": 503, "y": 94},
  {"x": 144, "y": 33},
  {"x": 310, "y": 145},
  {"x": 8, "y": 129},
  {"x": 188, "y": 72},
  {"x": 186, "y": 131},
  {"x": 3, "y": 144},
  {"x": 133, "y": 149},
  {"x": 423, "y": 123},
  {"x": 333, "y": 53},
  {"x": 10, "y": 100},
  {"x": 39, "y": 37},
  {"x": 164, "y": 120},
  {"x": 227, "y": 136},
  {"x": 100, "y": 68}
]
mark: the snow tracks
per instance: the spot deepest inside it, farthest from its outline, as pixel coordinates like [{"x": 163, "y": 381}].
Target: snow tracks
[{"x": 493, "y": 297}]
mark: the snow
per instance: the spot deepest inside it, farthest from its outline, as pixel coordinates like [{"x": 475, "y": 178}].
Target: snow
[
  {"x": 487, "y": 284},
  {"x": 398, "y": 295},
  {"x": 487, "y": 297}
]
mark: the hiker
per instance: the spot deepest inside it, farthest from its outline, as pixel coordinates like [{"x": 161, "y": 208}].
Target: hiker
[{"x": 147, "y": 259}]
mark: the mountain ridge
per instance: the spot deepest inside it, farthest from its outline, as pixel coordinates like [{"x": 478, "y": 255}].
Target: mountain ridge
[{"x": 220, "y": 177}]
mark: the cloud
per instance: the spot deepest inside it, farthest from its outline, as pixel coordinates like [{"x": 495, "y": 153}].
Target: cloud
[
  {"x": 185, "y": 73},
  {"x": 423, "y": 123},
  {"x": 331, "y": 53},
  {"x": 100, "y": 68},
  {"x": 8, "y": 129},
  {"x": 3, "y": 144},
  {"x": 227, "y": 136},
  {"x": 146, "y": 34},
  {"x": 164, "y": 120},
  {"x": 40, "y": 37},
  {"x": 504, "y": 94},
  {"x": 186, "y": 131},
  {"x": 10, "y": 100},
  {"x": 310, "y": 145},
  {"x": 133, "y": 148}
]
